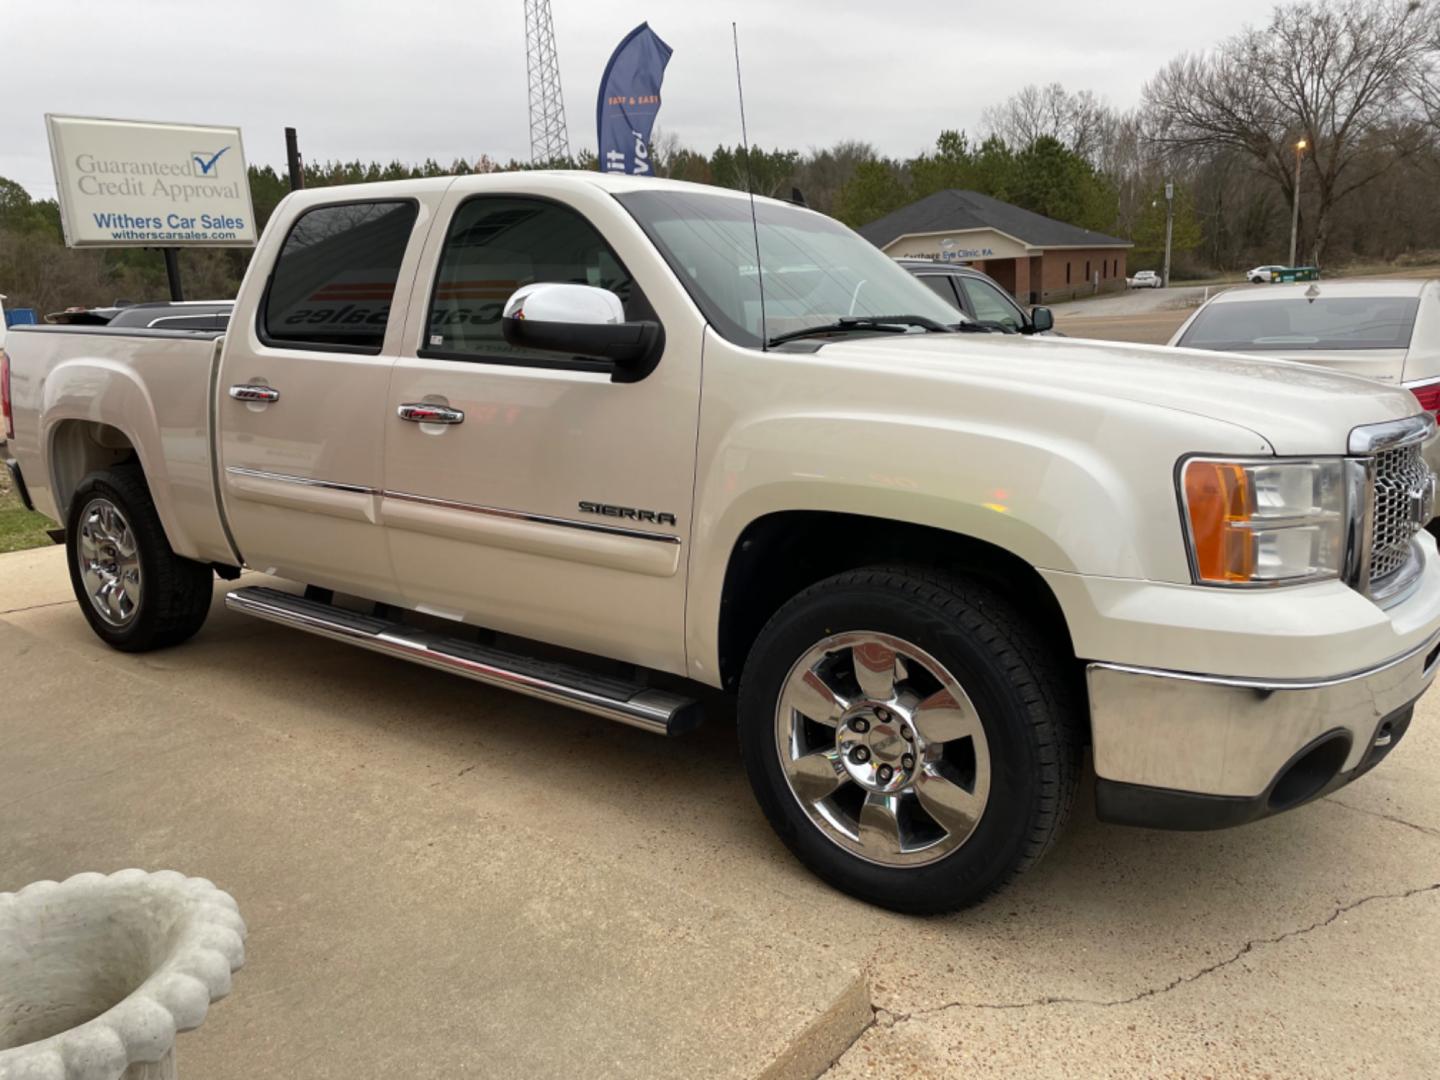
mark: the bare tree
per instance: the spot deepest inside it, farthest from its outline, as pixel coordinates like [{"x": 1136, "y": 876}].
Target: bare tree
[
  {"x": 1080, "y": 120},
  {"x": 1347, "y": 77}
]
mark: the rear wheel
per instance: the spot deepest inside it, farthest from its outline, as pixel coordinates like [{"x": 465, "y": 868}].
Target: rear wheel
[
  {"x": 908, "y": 737},
  {"x": 135, "y": 592}
]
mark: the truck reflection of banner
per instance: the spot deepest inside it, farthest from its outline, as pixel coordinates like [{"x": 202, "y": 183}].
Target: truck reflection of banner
[{"x": 629, "y": 101}]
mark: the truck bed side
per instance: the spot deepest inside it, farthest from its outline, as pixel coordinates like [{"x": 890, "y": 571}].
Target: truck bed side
[{"x": 86, "y": 398}]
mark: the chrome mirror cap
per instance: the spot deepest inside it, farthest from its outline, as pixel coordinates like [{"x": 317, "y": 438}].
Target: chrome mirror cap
[{"x": 557, "y": 302}]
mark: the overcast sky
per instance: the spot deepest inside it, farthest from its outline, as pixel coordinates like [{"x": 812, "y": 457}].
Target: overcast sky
[{"x": 411, "y": 79}]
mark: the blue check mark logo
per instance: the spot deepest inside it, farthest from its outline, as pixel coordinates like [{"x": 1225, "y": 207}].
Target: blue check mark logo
[{"x": 207, "y": 166}]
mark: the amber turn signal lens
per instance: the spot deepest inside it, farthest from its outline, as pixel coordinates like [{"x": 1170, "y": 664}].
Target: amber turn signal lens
[{"x": 1220, "y": 502}]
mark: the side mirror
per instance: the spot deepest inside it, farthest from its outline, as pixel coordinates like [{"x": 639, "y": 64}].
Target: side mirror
[
  {"x": 582, "y": 320},
  {"x": 1041, "y": 320}
]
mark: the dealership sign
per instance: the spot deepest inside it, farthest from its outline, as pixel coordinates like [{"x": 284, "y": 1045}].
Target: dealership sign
[{"x": 129, "y": 183}]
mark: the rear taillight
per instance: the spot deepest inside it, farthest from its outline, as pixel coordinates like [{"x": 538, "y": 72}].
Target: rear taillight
[
  {"x": 5, "y": 394},
  {"x": 1428, "y": 394}
]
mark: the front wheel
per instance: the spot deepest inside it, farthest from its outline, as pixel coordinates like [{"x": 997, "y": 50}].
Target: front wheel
[
  {"x": 908, "y": 737},
  {"x": 135, "y": 592}
]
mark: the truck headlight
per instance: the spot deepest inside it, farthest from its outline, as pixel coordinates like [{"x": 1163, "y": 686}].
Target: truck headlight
[{"x": 1264, "y": 522}]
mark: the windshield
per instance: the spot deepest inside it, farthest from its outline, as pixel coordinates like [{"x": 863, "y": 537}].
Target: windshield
[
  {"x": 1288, "y": 325},
  {"x": 816, "y": 270}
]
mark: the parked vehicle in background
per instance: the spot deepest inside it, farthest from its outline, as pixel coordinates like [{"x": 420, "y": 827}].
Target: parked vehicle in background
[
  {"x": 980, "y": 297},
  {"x": 1145, "y": 279},
  {"x": 931, "y": 561},
  {"x": 176, "y": 315},
  {"x": 1384, "y": 330},
  {"x": 1262, "y": 275},
  {"x": 158, "y": 314}
]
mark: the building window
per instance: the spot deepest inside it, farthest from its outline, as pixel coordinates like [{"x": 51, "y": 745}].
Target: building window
[
  {"x": 1087, "y": 271},
  {"x": 1116, "y": 271},
  {"x": 1067, "y": 273}
]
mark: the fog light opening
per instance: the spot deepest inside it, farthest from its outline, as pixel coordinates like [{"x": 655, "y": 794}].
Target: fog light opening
[{"x": 1310, "y": 772}]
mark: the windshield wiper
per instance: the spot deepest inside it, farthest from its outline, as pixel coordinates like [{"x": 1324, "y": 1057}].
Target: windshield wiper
[{"x": 884, "y": 323}]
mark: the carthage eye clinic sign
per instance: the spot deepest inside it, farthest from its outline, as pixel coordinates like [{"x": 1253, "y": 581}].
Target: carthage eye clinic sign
[{"x": 131, "y": 183}]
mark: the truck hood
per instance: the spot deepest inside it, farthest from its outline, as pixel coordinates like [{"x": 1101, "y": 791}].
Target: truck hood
[{"x": 1297, "y": 408}]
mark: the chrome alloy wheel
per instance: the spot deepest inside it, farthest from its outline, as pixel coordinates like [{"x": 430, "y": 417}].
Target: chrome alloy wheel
[
  {"x": 109, "y": 562},
  {"x": 883, "y": 749}
]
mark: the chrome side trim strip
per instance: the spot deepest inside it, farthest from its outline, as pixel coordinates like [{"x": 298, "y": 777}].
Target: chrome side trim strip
[
  {"x": 1372, "y": 438},
  {"x": 657, "y": 711},
  {"x": 541, "y": 519},
  {"x": 450, "y": 504},
  {"x": 1245, "y": 682},
  {"x": 303, "y": 481}
]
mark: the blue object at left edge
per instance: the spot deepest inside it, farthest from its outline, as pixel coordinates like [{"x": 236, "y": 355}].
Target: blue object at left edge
[{"x": 630, "y": 100}]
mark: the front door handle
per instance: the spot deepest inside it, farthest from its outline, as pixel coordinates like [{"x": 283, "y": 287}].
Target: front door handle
[
  {"x": 254, "y": 392},
  {"x": 427, "y": 412}
]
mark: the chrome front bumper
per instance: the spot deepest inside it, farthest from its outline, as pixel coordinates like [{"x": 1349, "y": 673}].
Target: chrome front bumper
[{"x": 1182, "y": 750}]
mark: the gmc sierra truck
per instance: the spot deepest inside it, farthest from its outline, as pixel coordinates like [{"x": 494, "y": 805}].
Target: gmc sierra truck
[{"x": 609, "y": 441}]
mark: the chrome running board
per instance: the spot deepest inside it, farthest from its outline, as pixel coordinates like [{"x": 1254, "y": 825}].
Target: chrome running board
[{"x": 633, "y": 703}]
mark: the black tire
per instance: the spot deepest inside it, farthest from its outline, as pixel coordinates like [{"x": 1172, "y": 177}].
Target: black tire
[
  {"x": 175, "y": 592},
  {"x": 1020, "y": 693}
]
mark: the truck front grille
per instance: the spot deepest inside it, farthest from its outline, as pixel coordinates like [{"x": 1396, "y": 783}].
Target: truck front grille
[{"x": 1402, "y": 495}]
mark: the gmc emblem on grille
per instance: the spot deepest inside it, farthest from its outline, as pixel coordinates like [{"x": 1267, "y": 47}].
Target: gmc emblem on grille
[{"x": 1422, "y": 502}]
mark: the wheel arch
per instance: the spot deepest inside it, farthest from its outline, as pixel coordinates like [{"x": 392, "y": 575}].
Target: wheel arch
[
  {"x": 781, "y": 554},
  {"x": 97, "y": 414}
]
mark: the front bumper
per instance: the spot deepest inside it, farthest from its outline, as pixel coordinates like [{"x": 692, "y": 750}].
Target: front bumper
[{"x": 1186, "y": 751}]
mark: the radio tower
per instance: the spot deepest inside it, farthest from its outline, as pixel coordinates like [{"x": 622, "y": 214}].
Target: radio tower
[{"x": 549, "y": 139}]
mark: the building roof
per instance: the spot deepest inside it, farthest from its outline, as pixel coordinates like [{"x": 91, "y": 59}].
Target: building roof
[{"x": 959, "y": 211}]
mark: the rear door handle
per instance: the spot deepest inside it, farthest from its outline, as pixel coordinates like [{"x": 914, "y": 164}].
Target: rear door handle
[
  {"x": 427, "y": 412},
  {"x": 254, "y": 392}
]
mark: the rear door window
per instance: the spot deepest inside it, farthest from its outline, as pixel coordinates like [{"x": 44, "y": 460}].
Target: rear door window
[
  {"x": 941, "y": 285},
  {"x": 334, "y": 283}
]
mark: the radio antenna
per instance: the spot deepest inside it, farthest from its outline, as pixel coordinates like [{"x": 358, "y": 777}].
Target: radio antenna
[{"x": 750, "y": 190}]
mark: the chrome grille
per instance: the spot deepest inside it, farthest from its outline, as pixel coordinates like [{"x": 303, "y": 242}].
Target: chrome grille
[{"x": 1402, "y": 484}]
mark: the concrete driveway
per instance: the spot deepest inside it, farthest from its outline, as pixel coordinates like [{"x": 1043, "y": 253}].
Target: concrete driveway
[{"x": 442, "y": 880}]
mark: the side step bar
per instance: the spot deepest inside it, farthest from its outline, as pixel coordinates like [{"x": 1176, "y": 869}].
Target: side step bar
[{"x": 632, "y": 703}]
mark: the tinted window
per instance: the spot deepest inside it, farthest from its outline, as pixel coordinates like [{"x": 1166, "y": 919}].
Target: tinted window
[
  {"x": 334, "y": 282},
  {"x": 1340, "y": 322},
  {"x": 496, "y": 245},
  {"x": 940, "y": 285},
  {"x": 991, "y": 305}
]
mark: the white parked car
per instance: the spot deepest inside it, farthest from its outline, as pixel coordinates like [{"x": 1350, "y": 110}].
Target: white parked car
[
  {"x": 1383, "y": 330},
  {"x": 931, "y": 562},
  {"x": 1146, "y": 279},
  {"x": 1261, "y": 274}
]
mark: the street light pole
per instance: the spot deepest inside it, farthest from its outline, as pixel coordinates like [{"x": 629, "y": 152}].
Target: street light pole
[
  {"x": 1295, "y": 213},
  {"x": 1169, "y": 231}
]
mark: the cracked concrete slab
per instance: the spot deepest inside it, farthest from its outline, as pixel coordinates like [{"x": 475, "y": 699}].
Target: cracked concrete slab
[
  {"x": 1352, "y": 996},
  {"x": 1111, "y": 914}
]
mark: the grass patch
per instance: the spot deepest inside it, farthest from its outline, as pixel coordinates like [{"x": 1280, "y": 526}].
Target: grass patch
[{"x": 19, "y": 528}]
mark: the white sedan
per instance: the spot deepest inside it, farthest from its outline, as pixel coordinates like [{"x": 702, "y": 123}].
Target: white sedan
[
  {"x": 1261, "y": 275},
  {"x": 1384, "y": 330},
  {"x": 1146, "y": 279}
]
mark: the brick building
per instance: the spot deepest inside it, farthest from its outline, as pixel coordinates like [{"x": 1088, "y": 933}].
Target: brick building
[{"x": 1040, "y": 260}]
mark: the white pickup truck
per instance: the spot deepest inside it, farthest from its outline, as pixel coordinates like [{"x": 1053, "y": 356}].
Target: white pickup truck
[{"x": 546, "y": 430}]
